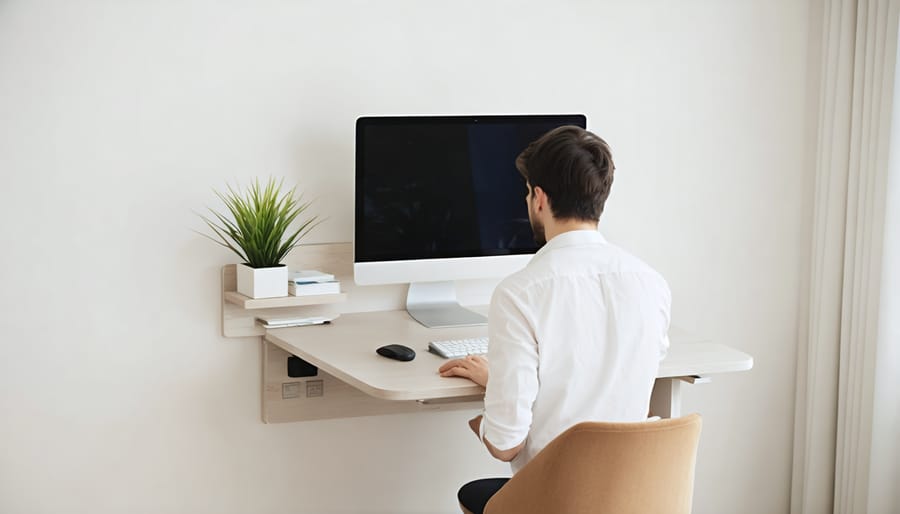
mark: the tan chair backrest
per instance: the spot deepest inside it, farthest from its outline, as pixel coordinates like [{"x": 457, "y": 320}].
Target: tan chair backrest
[{"x": 599, "y": 468}]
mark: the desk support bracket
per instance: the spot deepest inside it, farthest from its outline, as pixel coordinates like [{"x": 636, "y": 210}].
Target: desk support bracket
[{"x": 665, "y": 401}]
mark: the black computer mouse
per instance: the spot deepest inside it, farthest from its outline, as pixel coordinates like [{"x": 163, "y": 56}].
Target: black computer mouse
[{"x": 397, "y": 352}]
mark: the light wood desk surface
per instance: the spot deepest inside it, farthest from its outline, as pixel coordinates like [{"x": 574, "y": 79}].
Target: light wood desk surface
[{"x": 346, "y": 350}]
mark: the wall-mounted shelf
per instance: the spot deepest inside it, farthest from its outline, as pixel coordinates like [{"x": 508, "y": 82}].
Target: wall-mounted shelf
[
  {"x": 239, "y": 312},
  {"x": 245, "y": 302}
]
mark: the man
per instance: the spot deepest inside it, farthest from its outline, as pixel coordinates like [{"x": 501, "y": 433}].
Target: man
[{"x": 579, "y": 333}]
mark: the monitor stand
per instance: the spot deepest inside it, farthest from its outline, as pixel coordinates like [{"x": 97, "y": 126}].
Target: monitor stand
[{"x": 434, "y": 305}]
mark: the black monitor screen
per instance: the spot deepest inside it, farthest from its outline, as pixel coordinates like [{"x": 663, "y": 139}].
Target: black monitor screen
[{"x": 443, "y": 187}]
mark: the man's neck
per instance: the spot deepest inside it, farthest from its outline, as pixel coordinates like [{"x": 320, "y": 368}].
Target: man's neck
[{"x": 556, "y": 227}]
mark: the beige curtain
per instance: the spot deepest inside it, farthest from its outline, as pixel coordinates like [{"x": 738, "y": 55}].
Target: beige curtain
[
  {"x": 838, "y": 350},
  {"x": 884, "y": 475}
]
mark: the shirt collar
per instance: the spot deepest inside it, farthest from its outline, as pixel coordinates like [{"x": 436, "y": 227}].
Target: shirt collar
[{"x": 572, "y": 238}]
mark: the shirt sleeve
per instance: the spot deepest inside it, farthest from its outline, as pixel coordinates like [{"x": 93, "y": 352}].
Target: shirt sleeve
[{"x": 512, "y": 372}]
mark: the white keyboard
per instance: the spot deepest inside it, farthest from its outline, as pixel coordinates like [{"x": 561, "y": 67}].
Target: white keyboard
[{"x": 456, "y": 348}]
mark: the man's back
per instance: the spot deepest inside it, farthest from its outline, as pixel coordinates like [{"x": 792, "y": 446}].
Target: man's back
[{"x": 575, "y": 336}]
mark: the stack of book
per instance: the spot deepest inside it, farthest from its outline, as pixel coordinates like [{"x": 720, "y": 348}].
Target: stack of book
[{"x": 312, "y": 282}]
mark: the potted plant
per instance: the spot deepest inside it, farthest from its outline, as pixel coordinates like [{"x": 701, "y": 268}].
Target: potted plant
[{"x": 258, "y": 231}]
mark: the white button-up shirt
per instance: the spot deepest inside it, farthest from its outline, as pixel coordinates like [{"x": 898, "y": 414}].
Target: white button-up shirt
[{"x": 577, "y": 335}]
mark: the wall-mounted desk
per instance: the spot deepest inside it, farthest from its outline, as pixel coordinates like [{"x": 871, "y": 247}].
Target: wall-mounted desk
[
  {"x": 353, "y": 380},
  {"x": 345, "y": 351}
]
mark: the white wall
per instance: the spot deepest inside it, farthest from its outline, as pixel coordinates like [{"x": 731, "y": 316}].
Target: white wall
[{"x": 116, "y": 118}]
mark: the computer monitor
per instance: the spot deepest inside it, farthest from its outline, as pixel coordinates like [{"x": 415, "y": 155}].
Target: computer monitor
[{"x": 439, "y": 199}]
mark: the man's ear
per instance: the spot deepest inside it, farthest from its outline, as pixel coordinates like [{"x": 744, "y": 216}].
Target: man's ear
[{"x": 539, "y": 198}]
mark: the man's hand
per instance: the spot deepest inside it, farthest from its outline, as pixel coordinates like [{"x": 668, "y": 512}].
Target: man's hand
[{"x": 473, "y": 367}]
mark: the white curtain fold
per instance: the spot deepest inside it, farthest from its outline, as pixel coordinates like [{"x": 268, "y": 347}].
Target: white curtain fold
[
  {"x": 837, "y": 351},
  {"x": 884, "y": 474}
]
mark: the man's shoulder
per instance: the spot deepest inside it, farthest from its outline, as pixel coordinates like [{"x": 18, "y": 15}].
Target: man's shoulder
[
  {"x": 624, "y": 262},
  {"x": 620, "y": 259},
  {"x": 516, "y": 281},
  {"x": 607, "y": 259}
]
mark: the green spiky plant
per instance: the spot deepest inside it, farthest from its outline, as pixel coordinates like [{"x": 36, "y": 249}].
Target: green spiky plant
[{"x": 261, "y": 218}]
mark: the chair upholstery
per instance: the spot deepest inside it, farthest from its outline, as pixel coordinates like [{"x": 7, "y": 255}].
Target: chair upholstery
[{"x": 600, "y": 468}]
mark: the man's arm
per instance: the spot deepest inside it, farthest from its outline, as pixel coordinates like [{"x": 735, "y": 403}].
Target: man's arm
[
  {"x": 513, "y": 384},
  {"x": 504, "y": 455},
  {"x": 476, "y": 369},
  {"x": 510, "y": 377}
]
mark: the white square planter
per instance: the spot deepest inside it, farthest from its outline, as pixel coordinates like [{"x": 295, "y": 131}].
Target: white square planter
[{"x": 262, "y": 282}]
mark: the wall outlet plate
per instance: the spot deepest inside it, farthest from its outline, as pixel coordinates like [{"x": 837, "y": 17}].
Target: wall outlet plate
[
  {"x": 315, "y": 388},
  {"x": 290, "y": 390}
]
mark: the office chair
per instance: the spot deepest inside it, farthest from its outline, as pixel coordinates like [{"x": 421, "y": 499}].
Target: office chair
[{"x": 600, "y": 468}]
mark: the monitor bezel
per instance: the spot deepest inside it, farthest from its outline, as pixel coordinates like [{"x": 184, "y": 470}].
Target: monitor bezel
[{"x": 365, "y": 121}]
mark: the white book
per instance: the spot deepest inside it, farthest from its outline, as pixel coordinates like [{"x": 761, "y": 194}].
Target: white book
[
  {"x": 310, "y": 276},
  {"x": 268, "y": 321},
  {"x": 314, "y": 288}
]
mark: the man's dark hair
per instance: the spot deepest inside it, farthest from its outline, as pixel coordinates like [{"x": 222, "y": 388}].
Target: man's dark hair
[{"x": 574, "y": 167}]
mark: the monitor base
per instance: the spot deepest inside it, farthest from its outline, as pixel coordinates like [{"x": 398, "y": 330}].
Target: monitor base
[{"x": 434, "y": 305}]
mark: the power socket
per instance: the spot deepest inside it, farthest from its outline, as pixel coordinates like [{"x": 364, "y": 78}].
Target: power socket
[
  {"x": 290, "y": 390},
  {"x": 315, "y": 388}
]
